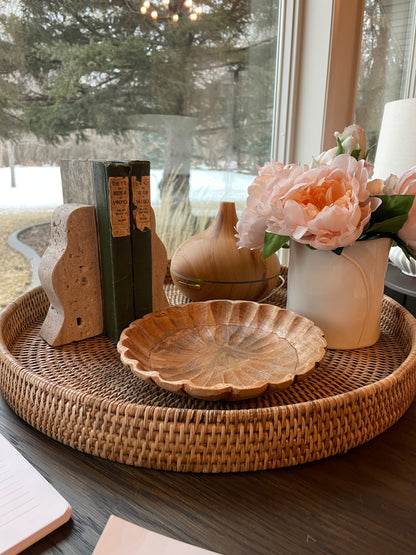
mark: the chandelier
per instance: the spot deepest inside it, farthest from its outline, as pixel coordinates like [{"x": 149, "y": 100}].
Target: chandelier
[{"x": 171, "y": 9}]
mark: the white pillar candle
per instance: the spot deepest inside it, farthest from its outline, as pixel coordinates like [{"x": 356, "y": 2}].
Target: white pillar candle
[{"x": 396, "y": 149}]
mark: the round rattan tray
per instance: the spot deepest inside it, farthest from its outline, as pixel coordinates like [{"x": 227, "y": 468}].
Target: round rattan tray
[{"x": 82, "y": 396}]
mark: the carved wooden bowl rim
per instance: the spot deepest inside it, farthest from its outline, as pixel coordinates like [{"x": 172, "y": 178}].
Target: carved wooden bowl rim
[{"x": 222, "y": 349}]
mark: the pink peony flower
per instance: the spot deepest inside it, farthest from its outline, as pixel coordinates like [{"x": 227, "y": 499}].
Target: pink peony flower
[
  {"x": 389, "y": 184},
  {"x": 406, "y": 185},
  {"x": 352, "y": 140},
  {"x": 326, "y": 207},
  {"x": 250, "y": 229},
  {"x": 375, "y": 187},
  {"x": 253, "y": 220}
]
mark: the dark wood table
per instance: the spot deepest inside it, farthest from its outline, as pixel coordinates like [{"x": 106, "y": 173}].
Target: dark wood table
[{"x": 361, "y": 502}]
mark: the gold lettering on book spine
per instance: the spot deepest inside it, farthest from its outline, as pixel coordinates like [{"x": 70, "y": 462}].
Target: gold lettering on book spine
[{"x": 119, "y": 199}]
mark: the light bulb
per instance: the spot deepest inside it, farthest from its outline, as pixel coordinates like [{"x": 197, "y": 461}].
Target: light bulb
[
  {"x": 165, "y": 2},
  {"x": 143, "y": 10},
  {"x": 188, "y": 3},
  {"x": 198, "y": 9},
  {"x": 146, "y": 4},
  {"x": 175, "y": 17},
  {"x": 153, "y": 14},
  {"x": 193, "y": 16}
]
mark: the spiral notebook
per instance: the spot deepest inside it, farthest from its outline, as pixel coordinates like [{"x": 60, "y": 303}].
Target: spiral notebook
[{"x": 30, "y": 508}]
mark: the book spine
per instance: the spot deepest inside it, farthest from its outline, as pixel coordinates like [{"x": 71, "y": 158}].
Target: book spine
[
  {"x": 112, "y": 195},
  {"x": 141, "y": 236}
]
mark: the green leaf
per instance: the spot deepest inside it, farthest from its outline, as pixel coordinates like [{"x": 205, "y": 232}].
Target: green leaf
[
  {"x": 388, "y": 226},
  {"x": 272, "y": 243},
  {"x": 356, "y": 153},
  {"x": 391, "y": 215},
  {"x": 340, "y": 149}
]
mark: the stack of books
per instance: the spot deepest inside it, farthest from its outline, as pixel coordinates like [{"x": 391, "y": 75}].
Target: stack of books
[{"x": 133, "y": 259}]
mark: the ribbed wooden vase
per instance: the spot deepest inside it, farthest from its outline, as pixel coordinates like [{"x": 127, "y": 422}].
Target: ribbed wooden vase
[{"x": 209, "y": 265}]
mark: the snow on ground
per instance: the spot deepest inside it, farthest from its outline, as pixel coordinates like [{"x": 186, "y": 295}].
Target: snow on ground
[
  {"x": 36, "y": 187},
  {"x": 40, "y": 187}
]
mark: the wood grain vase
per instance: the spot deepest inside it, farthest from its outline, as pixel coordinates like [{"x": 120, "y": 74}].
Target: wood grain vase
[{"x": 209, "y": 265}]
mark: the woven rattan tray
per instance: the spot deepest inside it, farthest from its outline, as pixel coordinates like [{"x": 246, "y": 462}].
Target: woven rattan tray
[{"x": 82, "y": 396}]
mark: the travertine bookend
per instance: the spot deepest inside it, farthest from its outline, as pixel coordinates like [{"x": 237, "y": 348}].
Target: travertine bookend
[
  {"x": 70, "y": 275},
  {"x": 159, "y": 265}
]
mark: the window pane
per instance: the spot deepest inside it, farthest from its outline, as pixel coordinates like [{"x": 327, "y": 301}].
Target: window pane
[
  {"x": 387, "y": 39},
  {"x": 112, "y": 79},
  {"x": 106, "y": 79}
]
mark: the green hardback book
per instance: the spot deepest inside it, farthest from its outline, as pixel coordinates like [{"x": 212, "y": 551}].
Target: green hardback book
[
  {"x": 112, "y": 194},
  {"x": 141, "y": 236}
]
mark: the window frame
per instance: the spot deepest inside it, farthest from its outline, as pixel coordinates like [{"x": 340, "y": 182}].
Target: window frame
[
  {"x": 410, "y": 82},
  {"x": 316, "y": 75}
]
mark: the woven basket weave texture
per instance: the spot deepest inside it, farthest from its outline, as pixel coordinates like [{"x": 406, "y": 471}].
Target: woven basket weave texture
[{"x": 82, "y": 396}]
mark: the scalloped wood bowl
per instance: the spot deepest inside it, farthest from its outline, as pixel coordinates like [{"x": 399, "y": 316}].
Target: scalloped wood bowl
[{"x": 222, "y": 349}]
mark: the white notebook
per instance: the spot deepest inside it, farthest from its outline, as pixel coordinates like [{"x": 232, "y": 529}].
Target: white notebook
[
  {"x": 30, "y": 508},
  {"x": 125, "y": 538}
]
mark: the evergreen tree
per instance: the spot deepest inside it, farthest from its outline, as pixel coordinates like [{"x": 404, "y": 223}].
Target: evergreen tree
[{"x": 103, "y": 65}]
